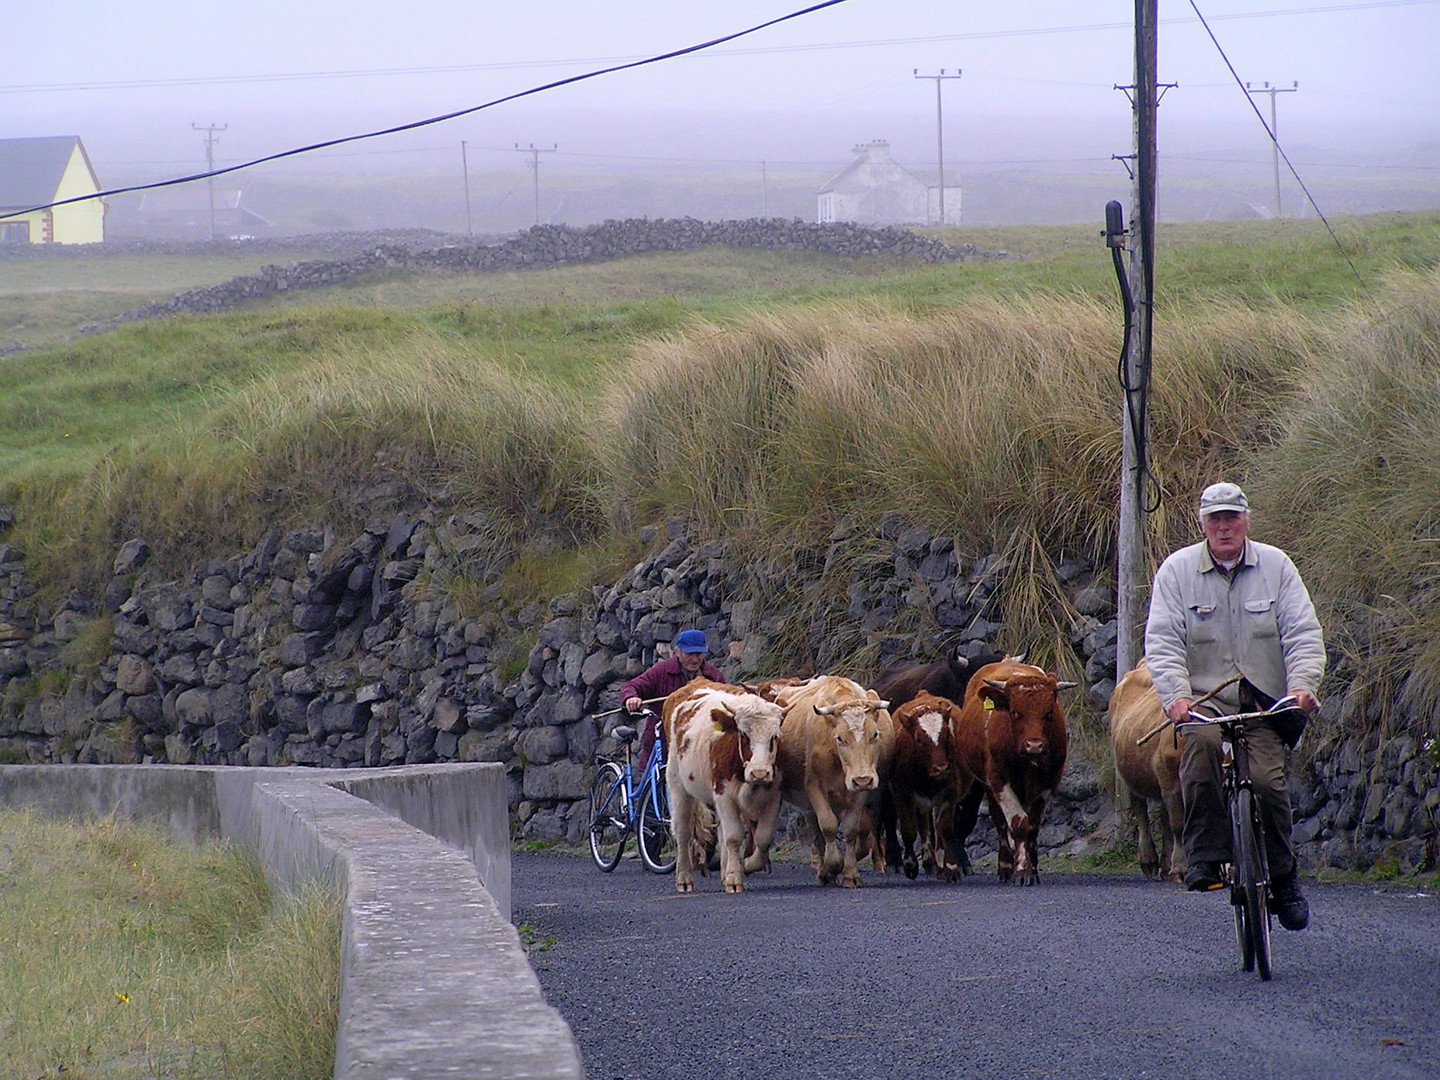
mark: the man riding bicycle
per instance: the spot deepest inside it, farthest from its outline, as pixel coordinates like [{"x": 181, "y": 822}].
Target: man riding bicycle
[
  {"x": 662, "y": 679},
  {"x": 1230, "y": 620}
]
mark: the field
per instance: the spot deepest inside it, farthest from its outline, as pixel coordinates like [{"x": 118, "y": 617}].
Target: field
[
  {"x": 568, "y": 406},
  {"x": 124, "y": 957}
]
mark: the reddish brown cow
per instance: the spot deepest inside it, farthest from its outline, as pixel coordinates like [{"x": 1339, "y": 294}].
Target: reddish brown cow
[
  {"x": 926, "y": 781},
  {"x": 1012, "y": 737}
]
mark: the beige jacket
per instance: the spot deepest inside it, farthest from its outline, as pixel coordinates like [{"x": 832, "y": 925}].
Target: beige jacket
[{"x": 1204, "y": 628}]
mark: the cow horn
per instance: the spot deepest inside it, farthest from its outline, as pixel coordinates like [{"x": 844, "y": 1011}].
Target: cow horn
[
  {"x": 826, "y": 710},
  {"x": 1019, "y": 658},
  {"x": 726, "y": 709},
  {"x": 1066, "y": 685},
  {"x": 876, "y": 706},
  {"x": 998, "y": 684}
]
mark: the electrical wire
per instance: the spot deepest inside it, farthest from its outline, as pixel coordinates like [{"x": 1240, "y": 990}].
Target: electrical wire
[
  {"x": 434, "y": 119},
  {"x": 1250, "y": 100}
]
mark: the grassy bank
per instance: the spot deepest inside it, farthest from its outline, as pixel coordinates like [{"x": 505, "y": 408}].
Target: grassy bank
[
  {"x": 124, "y": 956},
  {"x": 769, "y": 397}
]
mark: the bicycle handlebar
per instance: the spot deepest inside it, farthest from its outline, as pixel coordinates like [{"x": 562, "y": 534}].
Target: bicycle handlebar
[{"x": 1197, "y": 719}]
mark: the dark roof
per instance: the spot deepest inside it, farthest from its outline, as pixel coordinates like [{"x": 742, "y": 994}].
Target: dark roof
[{"x": 31, "y": 169}]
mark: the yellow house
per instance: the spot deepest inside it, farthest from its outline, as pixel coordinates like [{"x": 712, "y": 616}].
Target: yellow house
[{"x": 35, "y": 172}]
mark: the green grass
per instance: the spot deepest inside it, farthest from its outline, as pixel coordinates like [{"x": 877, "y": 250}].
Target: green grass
[
  {"x": 767, "y": 396},
  {"x": 45, "y": 299},
  {"x": 124, "y": 956}
]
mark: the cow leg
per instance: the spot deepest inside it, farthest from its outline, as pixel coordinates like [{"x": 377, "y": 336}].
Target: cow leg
[
  {"x": 948, "y": 865},
  {"x": 889, "y": 812},
  {"x": 732, "y": 835},
  {"x": 1005, "y": 851},
  {"x": 1172, "y": 822},
  {"x": 1144, "y": 839},
  {"x": 909, "y": 834},
  {"x": 682, "y": 821},
  {"x": 854, "y": 830},
  {"x": 832, "y": 860},
  {"x": 764, "y": 836},
  {"x": 967, "y": 813}
]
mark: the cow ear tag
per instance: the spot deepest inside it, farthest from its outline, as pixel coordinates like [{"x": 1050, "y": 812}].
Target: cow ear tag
[
  {"x": 719, "y": 727},
  {"x": 989, "y": 704}
]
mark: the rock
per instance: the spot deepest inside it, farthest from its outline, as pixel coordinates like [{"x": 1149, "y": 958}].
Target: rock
[{"x": 132, "y": 555}]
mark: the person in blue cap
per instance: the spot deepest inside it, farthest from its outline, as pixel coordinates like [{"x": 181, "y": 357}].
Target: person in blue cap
[{"x": 662, "y": 679}]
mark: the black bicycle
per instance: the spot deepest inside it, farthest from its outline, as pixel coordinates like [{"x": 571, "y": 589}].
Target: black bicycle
[
  {"x": 621, "y": 804},
  {"x": 1249, "y": 870}
]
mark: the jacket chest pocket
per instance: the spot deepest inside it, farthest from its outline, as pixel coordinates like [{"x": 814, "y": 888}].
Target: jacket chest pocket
[
  {"x": 1260, "y": 618},
  {"x": 1203, "y": 624}
]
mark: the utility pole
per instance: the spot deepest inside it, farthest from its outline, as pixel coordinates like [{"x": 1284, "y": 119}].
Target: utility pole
[
  {"x": 1131, "y": 585},
  {"x": 210, "y": 141},
  {"x": 465, "y": 168},
  {"x": 535, "y": 165},
  {"x": 764, "y": 192},
  {"x": 939, "y": 128},
  {"x": 1274, "y": 130}
]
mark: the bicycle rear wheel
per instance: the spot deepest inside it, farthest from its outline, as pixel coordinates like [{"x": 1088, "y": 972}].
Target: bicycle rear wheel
[
  {"x": 1250, "y": 874},
  {"x": 609, "y": 817},
  {"x": 657, "y": 841}
]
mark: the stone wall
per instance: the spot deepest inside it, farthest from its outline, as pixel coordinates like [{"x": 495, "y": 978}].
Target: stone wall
[
  {"x": 311, "y": 650},
  {"x": 555, "y": 245}
]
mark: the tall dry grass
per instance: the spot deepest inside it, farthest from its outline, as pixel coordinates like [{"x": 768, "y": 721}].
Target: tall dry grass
[{"x": 1351, "y": 484}]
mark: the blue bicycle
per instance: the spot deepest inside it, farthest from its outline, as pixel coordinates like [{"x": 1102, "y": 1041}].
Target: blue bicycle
[{"x": 619, "y": 805}]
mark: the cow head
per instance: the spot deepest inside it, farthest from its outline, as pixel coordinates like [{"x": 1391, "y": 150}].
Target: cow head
[
  {"x": 1029, "y": 701},
  {"x": 925, "y": 722},
  {"x": 757, "y": 722},
  {"x": 854, "y": 726}
]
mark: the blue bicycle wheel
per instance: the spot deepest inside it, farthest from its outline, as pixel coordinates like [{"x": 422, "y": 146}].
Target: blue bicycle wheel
[
  {"x": 609, "y": 817},
  {"x": 657, "y": 840}
]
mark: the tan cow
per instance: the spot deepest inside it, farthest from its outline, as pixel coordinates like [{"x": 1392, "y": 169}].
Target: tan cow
[
  {"x": 1012, "y": 737},
  {"x": 1150, "y": 772},
  {"x": 835, "y": 745},
  {"x": 722, "y": 743}
]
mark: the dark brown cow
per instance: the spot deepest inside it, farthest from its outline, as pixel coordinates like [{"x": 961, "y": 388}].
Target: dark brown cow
[
  {"x": 926, "y": 782},
  {"x": 1012, "y": 737},
  {"x": 945, "y": 678}
]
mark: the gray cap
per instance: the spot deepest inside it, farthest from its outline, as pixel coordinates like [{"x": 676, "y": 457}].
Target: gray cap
[{"x": 1222, "y": 496}]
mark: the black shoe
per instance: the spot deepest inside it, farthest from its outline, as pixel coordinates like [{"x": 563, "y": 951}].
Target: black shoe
[
  {"x": 1290, "y": 904},
  {"x": 1203, "y": 877}
]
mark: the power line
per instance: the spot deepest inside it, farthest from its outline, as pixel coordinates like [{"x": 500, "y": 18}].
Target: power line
[{"x": 438, "y": 119}]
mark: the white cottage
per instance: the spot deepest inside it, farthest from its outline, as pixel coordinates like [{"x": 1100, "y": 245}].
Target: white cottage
[{"x": 874, "y": 189}]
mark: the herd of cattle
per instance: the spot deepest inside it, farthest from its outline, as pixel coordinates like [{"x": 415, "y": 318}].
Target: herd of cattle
[{"x": 895, "y": 772}]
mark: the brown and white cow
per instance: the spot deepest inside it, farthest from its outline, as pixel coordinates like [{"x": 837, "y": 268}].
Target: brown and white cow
[
  {"x": 1012, "y": 737},
  {"x": 1151, "y": 772},
  {"x": 723, "y": 744},
  {"x": 835, "y": 745},
  {"x": 926, "y": 782}
]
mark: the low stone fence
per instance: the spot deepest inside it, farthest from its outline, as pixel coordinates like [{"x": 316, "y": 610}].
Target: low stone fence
[
  {"x": 433, "y": 979},
  {"x": 316, "y": 651},
  {"x": 558, "y": 245}
]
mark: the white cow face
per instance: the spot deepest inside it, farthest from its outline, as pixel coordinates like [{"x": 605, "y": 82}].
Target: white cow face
[{"x": 758, "y": 722}]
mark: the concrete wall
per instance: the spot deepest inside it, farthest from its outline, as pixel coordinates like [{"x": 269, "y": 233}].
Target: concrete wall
[{"x": 433, "y": 979}]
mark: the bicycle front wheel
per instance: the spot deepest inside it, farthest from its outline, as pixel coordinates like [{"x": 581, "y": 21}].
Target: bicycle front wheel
[
  {"x": 609, "y": 817},
  {"x": 657, "y": 841},
  {"x": 1250, "y": 871}
]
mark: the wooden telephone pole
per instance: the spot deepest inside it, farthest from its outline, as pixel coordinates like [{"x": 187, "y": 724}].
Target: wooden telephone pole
[{"x": 1132, "y": 585}]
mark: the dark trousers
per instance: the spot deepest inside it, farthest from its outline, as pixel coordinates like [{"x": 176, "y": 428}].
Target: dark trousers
[{"x": 1207, "y": 819}]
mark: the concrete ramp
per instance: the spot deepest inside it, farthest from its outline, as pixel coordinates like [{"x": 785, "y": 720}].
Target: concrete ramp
[{"x": 433, "y": 980}]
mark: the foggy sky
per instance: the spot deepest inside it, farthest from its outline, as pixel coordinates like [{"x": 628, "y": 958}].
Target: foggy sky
[{"x": 1038, "y": 80}]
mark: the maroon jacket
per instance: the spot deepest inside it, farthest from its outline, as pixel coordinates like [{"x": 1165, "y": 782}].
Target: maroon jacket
[{"x": 664, "y": 678}]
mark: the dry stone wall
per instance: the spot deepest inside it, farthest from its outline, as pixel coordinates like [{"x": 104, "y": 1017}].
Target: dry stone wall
[
  {"x": 558, "y": 245},
  {"x": 313, "y": 650}
]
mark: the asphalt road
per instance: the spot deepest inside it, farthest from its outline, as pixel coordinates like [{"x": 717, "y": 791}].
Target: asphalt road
[{"x": 1084, "y": 975}]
